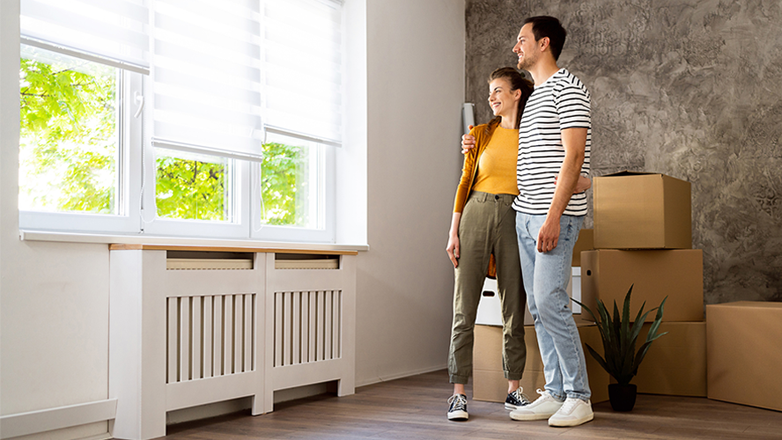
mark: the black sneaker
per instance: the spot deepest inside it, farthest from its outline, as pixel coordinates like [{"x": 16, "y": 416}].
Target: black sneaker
[
  {"x": 516, "y": 400},
  {"x": 458, "y": 407}
]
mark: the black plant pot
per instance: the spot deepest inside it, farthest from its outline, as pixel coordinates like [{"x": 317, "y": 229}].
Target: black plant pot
[{"x": 622, "y": 397}]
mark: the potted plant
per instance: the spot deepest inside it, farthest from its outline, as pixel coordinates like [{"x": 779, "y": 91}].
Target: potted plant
[{"x": 619, "y": 340}]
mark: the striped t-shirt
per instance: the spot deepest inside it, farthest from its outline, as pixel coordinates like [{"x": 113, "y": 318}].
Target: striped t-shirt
[{"x": 559, "y": 103}]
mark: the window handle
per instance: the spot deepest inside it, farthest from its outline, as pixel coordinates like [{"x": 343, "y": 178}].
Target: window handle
[{"x": 138, "y": 98}]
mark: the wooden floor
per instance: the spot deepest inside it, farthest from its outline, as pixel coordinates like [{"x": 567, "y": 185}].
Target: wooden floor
[{"x": 415, "y": 407}]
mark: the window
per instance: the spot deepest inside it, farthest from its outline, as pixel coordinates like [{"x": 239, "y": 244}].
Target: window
[
  {"x": 296, "y": 188},
  {"x": 69, "y": 137},
  {"x": 75, "y": 131},
  {"x": 165, "y": 117},
  {"x": 194, "y": 187}
]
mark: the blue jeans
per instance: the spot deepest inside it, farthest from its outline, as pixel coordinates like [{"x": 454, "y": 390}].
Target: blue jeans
[{"x": 546, "y": 277}]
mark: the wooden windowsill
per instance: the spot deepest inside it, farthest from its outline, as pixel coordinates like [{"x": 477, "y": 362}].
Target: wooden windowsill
[
  {"x": 135, "y": 242},
  {"x": 279, "y": 250}
]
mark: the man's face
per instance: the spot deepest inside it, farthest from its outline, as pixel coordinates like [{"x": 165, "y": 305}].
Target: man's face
[{"x": 526, "y": 48}]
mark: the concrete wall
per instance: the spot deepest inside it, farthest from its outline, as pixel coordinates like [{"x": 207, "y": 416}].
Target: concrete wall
[
  {"x": 689, "y": 88},
  {"x": 54, "y": 296}
]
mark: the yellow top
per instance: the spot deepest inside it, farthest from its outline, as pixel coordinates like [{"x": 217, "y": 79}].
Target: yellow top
[{"x": 497, "y": 165}]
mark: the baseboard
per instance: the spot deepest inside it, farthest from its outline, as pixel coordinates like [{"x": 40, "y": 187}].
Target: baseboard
[
  {"x": 34, "y": 422},
  {"x": 365, "y": 382},
  {"x": 236, "y": 405}
]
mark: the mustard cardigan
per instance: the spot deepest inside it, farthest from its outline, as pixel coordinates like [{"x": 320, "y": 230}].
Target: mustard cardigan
[
  {"x": 469, "y": 170},
  {"x": 470, "y": 167}
]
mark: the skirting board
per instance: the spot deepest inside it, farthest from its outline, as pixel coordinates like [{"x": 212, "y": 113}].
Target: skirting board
[
  {"x": 366, "y": 382},
  {"x": 34, "y": 422}
]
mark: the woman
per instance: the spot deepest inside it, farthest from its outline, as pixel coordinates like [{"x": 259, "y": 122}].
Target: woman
[{"x": 482, "y": 240}]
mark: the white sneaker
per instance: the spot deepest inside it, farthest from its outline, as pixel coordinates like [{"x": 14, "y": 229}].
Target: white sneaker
[
  {"x": 574, "y": 412},
  {"x": 542, "y": 408}
]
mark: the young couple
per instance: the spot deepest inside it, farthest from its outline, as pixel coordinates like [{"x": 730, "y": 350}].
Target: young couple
[{"x": 518, "y": 210}]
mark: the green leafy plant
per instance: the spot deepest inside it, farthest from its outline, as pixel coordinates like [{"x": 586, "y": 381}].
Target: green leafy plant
[{"x": 619, "y": 338}]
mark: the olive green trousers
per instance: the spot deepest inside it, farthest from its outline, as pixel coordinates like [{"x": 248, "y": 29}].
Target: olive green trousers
[{"x": 488, "y": 225}]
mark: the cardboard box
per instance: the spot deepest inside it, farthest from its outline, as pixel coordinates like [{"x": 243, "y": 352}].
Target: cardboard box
[
  {"x": 574, "y": 290},
  {"x": 642, "y": 211},
  {"x": 489, "y": 383},
  {"x": 490, "y": 307},
  {"x": 598, "y": 378},
  {"x": 607, "y": 274},
  {"x": 675, "y": 364},
  {"x": 744, "y": 353},
  {"x": 585, "y": 242}
]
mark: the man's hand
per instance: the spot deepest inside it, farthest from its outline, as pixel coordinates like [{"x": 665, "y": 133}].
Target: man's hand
[
  {"x": 548, "y": 236},
  {"x": 468, "y": 141}
]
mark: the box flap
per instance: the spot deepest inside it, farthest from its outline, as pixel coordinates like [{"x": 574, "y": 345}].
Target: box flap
[{"x": 629, "y": 173}]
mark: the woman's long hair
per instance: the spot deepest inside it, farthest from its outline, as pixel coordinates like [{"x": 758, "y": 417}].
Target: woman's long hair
[{"x": 517, "y": 82}]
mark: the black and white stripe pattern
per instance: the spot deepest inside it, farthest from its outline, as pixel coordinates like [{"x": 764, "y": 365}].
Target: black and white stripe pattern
[{"x": 561, "y": 102}]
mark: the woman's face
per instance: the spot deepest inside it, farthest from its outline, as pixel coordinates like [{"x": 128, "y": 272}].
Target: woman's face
[{"x": 502, "y": 99}]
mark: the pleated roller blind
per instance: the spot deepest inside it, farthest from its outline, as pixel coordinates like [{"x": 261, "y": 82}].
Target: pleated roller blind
[
  {"x": 303, "y": 68},
  {"x": 206, "y": 77},
  {"x": 110, "y": 31}
]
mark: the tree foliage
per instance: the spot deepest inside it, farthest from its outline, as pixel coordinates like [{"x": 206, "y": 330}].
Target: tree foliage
[
  {"x": 68, "y": 138},
  {"x": 191, "y": 189},
  {"x": 284, "y": 184},
  {"x": 69, "y": 155}
]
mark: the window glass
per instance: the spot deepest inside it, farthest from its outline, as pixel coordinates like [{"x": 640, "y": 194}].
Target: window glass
[
  {"x": 69, "y": 136},
  {"x": 291, "y": 182},
  {"x": 193, "y": 187}
]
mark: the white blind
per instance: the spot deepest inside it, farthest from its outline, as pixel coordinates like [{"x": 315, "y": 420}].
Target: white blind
[
  {"x": 303, "y": 68},
  {"x": 206, "y": 76},
  {"x": 114, "y": 31}
]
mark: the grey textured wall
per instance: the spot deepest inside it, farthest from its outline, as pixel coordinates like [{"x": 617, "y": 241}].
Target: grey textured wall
[{"x": 689, "y": 88}]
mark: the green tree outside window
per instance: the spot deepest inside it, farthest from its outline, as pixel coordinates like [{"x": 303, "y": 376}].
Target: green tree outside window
[
  {"x": 69, "y": 149},
  {"x": 68, "y": 137}
]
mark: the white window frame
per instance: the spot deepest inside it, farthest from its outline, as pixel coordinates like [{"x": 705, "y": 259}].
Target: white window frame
[
  {"x": 151, "y": 224},
  {"x": 128, "y": 167},
  {"x": 326, "y": 211}
]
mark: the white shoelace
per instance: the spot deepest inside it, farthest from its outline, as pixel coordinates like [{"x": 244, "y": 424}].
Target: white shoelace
[
  {"x": 569, "y": 406},
  {"x": 461, "y": 402},
  {"x": 520, "y": 396},
  {"x": 543, "y": 392}
]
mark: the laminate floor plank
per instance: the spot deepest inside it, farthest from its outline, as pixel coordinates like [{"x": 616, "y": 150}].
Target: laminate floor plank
[{"x": 414, "y": 408}]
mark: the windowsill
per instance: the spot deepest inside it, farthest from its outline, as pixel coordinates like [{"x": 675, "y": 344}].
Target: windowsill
[{"x": 250, "y": 245}]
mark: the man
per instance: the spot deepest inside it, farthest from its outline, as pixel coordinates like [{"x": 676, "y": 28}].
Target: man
[{"x": 554, "y": 147}]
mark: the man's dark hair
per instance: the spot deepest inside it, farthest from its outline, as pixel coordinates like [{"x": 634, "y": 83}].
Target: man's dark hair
[{"x": 545, "y": 26}]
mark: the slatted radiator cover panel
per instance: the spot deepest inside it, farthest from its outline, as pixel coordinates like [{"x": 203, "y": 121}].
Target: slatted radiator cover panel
[
  {"x": 307, "y": 327},
  {"x": 210, "y": 336}
]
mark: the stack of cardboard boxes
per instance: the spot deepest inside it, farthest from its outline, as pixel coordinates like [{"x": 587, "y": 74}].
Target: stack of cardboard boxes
[{"x": 642, "y": 238}]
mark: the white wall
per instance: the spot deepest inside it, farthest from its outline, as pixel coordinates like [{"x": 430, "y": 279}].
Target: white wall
[
  {"x": 54, "y": 296},
  {"x": 415, "y": 74}
]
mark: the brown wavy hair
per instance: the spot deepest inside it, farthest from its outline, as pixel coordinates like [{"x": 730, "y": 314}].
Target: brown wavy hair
[{"x": 517, "y": 81}]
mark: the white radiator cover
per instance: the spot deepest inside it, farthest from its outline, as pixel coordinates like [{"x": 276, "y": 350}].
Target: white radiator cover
[{"x": 182, "y": 338}]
